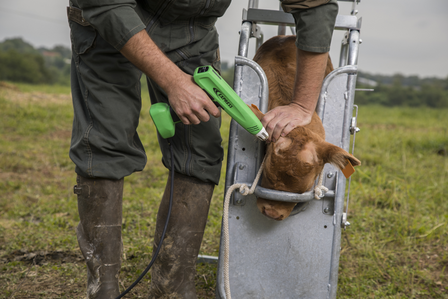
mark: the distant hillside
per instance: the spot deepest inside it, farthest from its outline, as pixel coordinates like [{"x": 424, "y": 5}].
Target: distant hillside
[
  {"x": 400, "y": 90},
  {"x": 395, "y": 90},
  {"x": 408, "y": 81},
  {"x": 21, "y": 62}
]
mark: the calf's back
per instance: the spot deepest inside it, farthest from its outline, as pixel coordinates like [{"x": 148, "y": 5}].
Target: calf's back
[{"x": 293, "y": 162}]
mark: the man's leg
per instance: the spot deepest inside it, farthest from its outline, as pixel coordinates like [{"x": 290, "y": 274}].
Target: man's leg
[
  {"x": 173, "y": 273},
  {"x": 105, "y": 147},
  {"x": 197, "y": 165}
]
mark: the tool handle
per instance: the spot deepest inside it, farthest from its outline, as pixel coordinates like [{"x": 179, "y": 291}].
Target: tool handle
[
  {"x": 210, "y": 81},
  {"x": 164, "y": 118}
]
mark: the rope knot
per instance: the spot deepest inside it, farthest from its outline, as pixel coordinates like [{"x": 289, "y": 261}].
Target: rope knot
[
  {"x": 320, "y": 191},
  {"x": 244, "y": 190}
]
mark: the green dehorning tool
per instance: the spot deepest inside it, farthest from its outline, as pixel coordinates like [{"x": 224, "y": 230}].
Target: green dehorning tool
[{"x": 222, "y": 94}]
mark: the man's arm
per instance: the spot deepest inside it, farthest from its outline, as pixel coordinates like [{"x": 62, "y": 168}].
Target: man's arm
[
  {"x": 315, "y": 21},
  {"x": 116, "y": 21},
  {"x": 120, "y": 25},
  {"x": 188, "y": 100},
  {"x": 309, "y": 75}
]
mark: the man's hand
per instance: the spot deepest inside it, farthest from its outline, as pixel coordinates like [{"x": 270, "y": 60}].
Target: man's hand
[
  {"x": 188, "y": 100},
  {"x": 283, "y": 119}
]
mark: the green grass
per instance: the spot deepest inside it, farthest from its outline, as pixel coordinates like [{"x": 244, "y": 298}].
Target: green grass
[{"x": 396, "y": 246}]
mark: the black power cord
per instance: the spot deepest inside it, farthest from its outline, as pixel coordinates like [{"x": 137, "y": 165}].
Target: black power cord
[{"x": 156, "y": 253}]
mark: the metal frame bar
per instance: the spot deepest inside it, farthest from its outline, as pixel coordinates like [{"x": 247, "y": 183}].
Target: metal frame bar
[
  {"x": 240, "y": 62},
  {"x": 275, "y": 17},
  {"x": 242, "y": 52},
  {"x": 349, "y": 69},
  {"x": 352, "y": 59},
  {"x": 264, "y": 94}
]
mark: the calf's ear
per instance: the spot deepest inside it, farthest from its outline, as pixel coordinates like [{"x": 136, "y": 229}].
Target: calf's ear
[
  {"x": 335, "y": 155},
  {"x": 256, "y": 111}
]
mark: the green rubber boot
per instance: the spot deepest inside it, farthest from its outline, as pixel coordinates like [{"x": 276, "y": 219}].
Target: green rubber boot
[
  {"x": 99, "y": 234},
  {"x": 173, "y": 273}
]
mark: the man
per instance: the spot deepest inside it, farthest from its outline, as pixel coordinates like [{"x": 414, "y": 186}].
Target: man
[{"x": 113, "y": 41}]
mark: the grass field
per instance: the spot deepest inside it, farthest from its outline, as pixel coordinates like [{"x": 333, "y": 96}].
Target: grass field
[{"x": 396, "y": 247}]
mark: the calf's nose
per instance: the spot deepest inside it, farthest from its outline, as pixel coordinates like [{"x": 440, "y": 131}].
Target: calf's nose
[{"x": 272, "y": 213}]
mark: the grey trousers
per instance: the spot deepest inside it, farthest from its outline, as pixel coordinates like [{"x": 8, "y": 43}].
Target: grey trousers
[{"x": 107, "y": 103}]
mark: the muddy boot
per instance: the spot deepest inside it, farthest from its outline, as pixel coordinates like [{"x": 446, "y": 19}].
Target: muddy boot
[
  {"x": 99, "y": 234},
  {"x": 173, "y": 273}
]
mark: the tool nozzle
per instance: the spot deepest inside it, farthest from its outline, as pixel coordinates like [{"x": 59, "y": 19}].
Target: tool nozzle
[{"x": 262, "y": 135}]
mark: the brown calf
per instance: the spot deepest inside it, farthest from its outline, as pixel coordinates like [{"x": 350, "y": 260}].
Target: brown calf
[{"x": 293, "y": 162}]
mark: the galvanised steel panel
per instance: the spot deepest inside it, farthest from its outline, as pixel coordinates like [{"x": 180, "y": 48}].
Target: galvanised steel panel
[{"x": 293, "y": 258}]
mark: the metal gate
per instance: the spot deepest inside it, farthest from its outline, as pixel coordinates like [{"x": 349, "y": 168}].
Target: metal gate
[{"x": 299, "y": 256}]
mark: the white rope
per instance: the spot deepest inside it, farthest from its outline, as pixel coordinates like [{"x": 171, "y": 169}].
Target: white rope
[
  {"x": 244, "y": 190},
  {"x": 319, "y": 190}
]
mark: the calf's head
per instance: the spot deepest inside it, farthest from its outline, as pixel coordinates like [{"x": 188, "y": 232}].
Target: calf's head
[{"x": 293, "y": 163}]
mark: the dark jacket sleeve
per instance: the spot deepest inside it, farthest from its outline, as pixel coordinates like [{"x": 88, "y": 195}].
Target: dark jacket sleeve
[
  {"x": 115, "y": 20},
  {"x": 315, "y": 20}
]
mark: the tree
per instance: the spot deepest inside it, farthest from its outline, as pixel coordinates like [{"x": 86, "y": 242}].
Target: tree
[
  {"x": 434, "y": 97},
  {"x": 17, "y": 44},
  {"x": 28, "y": 68},
  {"x": 21, "y": 62}
]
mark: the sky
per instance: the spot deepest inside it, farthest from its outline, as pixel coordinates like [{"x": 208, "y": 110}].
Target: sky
[{"x": 399, "y": 36}]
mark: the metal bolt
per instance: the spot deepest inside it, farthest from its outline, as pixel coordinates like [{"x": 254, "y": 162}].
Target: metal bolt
[
  {"x": 330, "y": 175},
  {"x": 326, "y": 210},
  {"x": 344, "y": 222},
  {"x": 360, "y": 41},
  {"x": 241, "y": 167}
]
